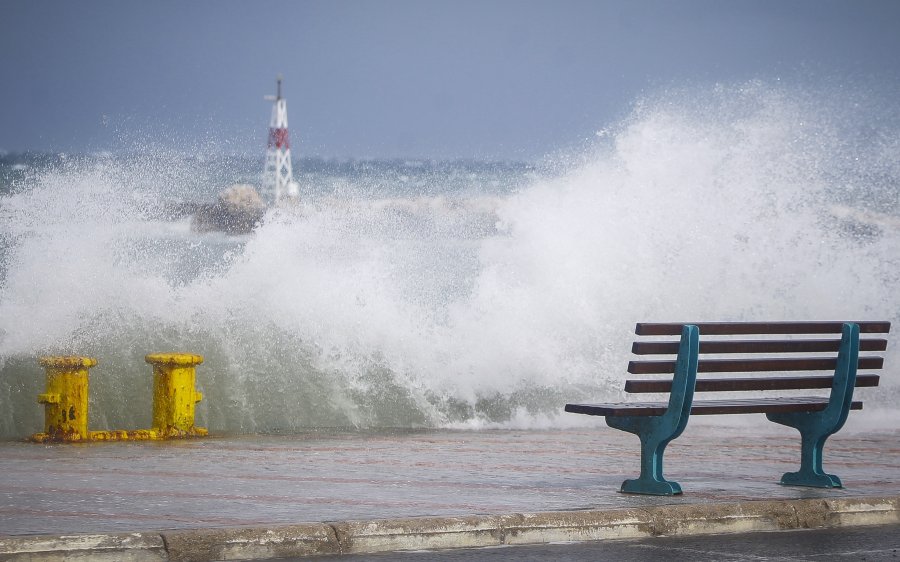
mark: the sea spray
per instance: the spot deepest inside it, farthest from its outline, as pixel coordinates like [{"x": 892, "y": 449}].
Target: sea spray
[{"x": 386, "y": 306}]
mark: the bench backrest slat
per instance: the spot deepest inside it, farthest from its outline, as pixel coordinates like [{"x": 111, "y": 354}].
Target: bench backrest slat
[
  {"x": 752, "y": 365},
  {"x": 742, "y": 383},
  {"x": 708, "y": 407},
  {"x": 738, "y": 328},
  {"x": 755, "y": 346}
]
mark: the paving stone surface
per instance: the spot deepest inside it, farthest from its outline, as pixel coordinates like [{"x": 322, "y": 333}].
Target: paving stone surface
[{"x": 327, "y": 476}]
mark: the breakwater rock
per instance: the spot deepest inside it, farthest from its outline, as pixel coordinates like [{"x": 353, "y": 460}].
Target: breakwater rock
[{"x": 237, "y": 210}]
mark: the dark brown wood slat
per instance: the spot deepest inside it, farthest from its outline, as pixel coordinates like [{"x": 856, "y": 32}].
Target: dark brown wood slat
[
  {"x": 751, "y": 365},
  {"x": 763, "y": 405},
  {"x": 709, "y": 407},
  {"x": 619, "y": 409},
  {"x": 740, "y": 384},
  {"x": 755, "y": 346},
  {"x": 740, "y": 328}
]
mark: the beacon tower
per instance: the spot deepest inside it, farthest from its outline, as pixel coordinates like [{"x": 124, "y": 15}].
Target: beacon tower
[{"x": 278, "y": 177}]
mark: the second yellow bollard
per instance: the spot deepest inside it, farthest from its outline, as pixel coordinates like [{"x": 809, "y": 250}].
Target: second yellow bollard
[{"x": 174, "y": 394}]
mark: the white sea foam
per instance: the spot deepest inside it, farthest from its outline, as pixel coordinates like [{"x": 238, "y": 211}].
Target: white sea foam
[{"x": 457, "y": 310}]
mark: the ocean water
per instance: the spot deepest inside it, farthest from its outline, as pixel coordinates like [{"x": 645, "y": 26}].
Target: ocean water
[{"x": 457, "y": 294}]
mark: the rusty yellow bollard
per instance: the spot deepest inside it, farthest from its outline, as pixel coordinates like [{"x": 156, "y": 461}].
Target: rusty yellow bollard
[
  {"x": 174, "y": 394},
  {"x": 66, "y": 399}
]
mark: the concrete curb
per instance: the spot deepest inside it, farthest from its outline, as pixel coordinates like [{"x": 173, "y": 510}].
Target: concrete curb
[{"x": 416, "y": 533}]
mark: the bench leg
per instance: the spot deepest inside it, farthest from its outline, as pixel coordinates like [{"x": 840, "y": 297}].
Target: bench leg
[
  {"x": 812, "y": 444},
  {"x": 653, "y": 445},
  {"x": 816, "y": 427},
  {"x": 656, "y": 432}
]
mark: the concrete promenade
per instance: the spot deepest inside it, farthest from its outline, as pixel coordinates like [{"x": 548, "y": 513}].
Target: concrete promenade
[{"x": 335, "y": 493}]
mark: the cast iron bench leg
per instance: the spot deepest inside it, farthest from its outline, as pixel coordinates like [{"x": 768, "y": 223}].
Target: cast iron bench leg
[
  {"x": 656, "y": 432},
  {"x": 812, "y": 442},
  {"x": 816, "y": 427}
]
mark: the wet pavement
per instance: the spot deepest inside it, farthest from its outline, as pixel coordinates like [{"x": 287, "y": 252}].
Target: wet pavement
[{"x": 246, "y": 481}]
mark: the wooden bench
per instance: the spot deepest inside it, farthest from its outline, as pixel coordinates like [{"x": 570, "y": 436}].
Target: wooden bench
[{"x": 776, "y": 347}]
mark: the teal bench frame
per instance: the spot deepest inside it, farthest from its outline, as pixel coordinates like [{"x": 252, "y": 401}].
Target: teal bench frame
[{"x": 657, "y": 424}]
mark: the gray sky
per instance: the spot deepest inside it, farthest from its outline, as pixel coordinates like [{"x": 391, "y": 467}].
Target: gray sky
[{"x": 392, "y": 78}]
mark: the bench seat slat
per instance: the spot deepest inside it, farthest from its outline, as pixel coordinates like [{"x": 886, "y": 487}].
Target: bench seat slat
[
  {"x": 738, "y": 328},
  {"x": 709, "y": 407},
  {"x": 751, "y": 365},
  {"x": 747, "y": 383},
  {"x": 755, "y": 346}
]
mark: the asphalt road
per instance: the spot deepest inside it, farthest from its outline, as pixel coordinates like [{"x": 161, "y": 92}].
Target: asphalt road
[{"x": 844, "y": 544}]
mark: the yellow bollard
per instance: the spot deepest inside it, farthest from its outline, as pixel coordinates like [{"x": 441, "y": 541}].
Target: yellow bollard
[
  {"x": 174, "y": 394},
  {"x": 66, "y": 400}
]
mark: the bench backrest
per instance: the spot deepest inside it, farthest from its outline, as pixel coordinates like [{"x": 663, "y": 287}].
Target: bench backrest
[{"x": 798, "y": 349}]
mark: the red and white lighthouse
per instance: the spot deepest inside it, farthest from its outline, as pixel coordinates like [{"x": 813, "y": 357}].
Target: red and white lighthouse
[{"x": 278, "y": 176}]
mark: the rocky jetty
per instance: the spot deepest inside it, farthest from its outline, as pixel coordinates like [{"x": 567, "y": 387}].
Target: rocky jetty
[{"x": 237, "y": 210}]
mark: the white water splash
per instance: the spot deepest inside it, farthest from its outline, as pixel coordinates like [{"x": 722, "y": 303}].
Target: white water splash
[{"x": 460, "y": 310}]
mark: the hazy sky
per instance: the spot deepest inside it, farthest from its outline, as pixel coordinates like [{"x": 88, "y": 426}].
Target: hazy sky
[{"x": 415, "y": 78}]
